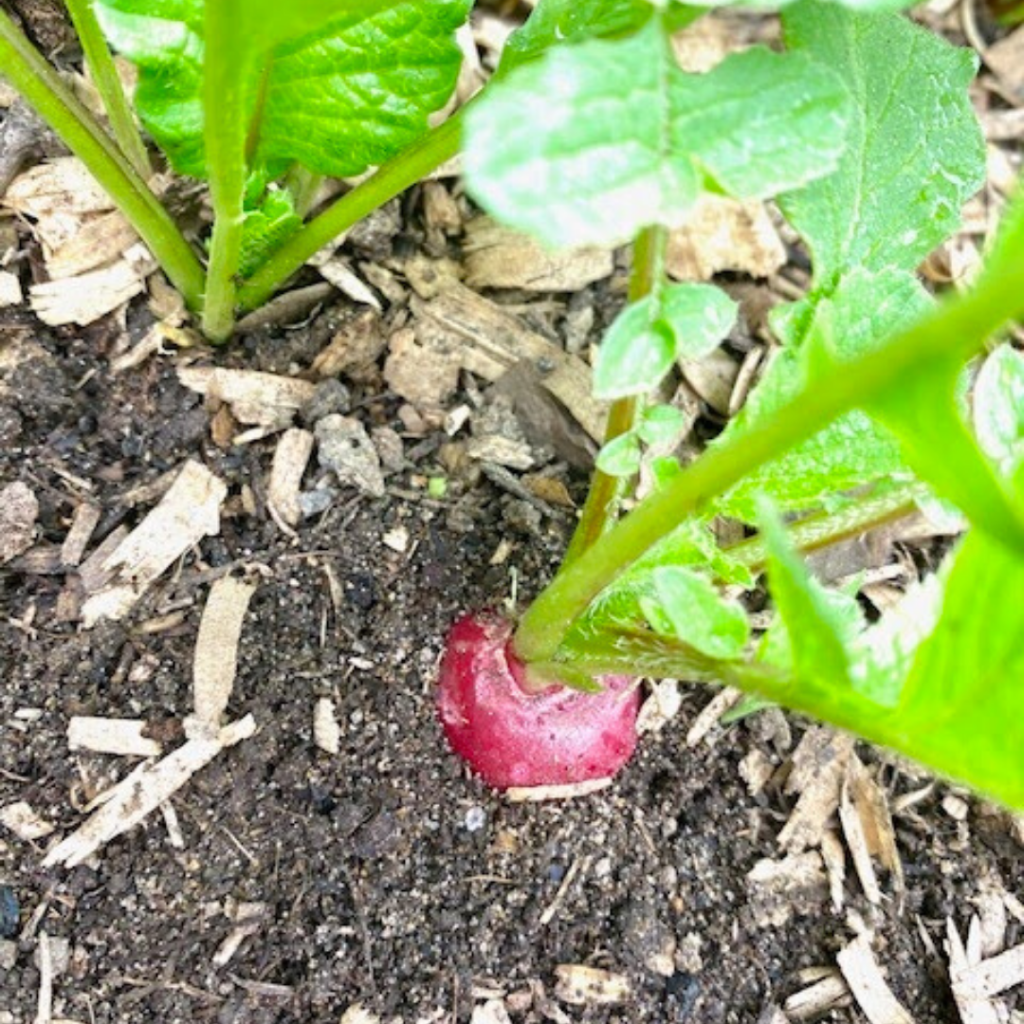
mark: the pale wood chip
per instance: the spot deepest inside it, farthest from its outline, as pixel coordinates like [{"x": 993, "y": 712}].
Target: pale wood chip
[
  {"x": 93, "y": 572},
  {"x": 579, "y": 985},
  {"x": 992, "y": 918},
  {"x": 188, "y": 512},
  {"x": 713, "y": 378},
  {"x": 499, "y": 257},
  {"x": 781, "y": 888},
  {"x": 174, "y": 834},
  {"x": 423, "y": 366},
  {"x": 84, "y": 521},
  {"x": 248, "y": 918},
  {"x": 121, "y": 736},
  {"x": 60, "y": 186},
  {"x": 87, "y": 297},
  {"x": 835, "y": 866},
  {"x": 500, "y": 450},
  {"x": 867, "y": 826},
  {"x": 661, "y": 706},
  {"x": 492, "y": 341},
  {"x": 538, "y": 794},
  {"x": 291, "y": 456},
  {"x": 348, "y": 282},
  {"x": 972, "y": 1008},
  {"x": 10, "y": 289},
  {"x": 1006, "y": 59},
  {"x": 827, "y": 993},
  {"x": 722, "y": 233},
  {"x": 96, "y": 242},
  {"x": 868, "y": 985},
  {"x": 491, "y": 1012},
  {"x": 710, "y": 714},
  {"x": 23, "y": 820},
  {"x": 148, "y": 786},
  {"x": 326, "y": 731},
  {"x": 354, "y": 348},
  {"x": 262, "y": 399},
  {"x": 992, "y": 976},
  {"x": 215, "y": 662},
  {"x": 19, "y": 509},
  {"x": 44, "y": 1001},
  {"x": 358, "y": 1014},
  {"x": 756, "y": 770},
  {"x": 819, "y": 766}
]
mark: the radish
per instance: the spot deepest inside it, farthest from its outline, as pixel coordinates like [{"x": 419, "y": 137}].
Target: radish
[{"x": 514, "y": 735}]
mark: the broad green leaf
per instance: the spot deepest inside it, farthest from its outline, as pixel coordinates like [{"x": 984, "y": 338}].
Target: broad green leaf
[
  {"x": 962, "y": 707},
  {"x": 998, "y": 404},
  {"x": 592, "y": 142},
  {"x": 337, "y": 95},
  {"x": 915, "y": 151},
  {"x": 676, "y": 321},
  {"x": 696, "y": 613},
  {"x": 853, "y": 450},
  {"x": 818, "y": 623}
]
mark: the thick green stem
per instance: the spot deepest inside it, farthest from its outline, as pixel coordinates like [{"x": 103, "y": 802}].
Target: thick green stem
[
  {"x": 606, "y": 492},
  {"x": 43, "y": 89},
  {"x": 225, "y": 135},
  {"x": 957, "y": 328},
  {"x": 104, "y": 74},
  {"x": 391, "y": 179}
]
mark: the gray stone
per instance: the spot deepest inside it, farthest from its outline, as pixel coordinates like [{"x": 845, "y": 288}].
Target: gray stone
[{"x": 345, "y": 448}]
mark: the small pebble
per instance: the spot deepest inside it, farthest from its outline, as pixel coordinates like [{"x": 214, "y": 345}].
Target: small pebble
[{"x": 476, "y": 818}]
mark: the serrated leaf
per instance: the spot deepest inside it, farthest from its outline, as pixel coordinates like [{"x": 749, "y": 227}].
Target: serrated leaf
[
  {"x": 592, "y": 142},
  {"x": 266, "y": 229},
  {"x": 818, "y": 623},
  {"x": 853, "y": 450},
  {"x": 696, "y": 613},
  {"x": 337, "y": 95},
  {"x": 915, "y": 152},
  {"x": 681, "y": 320},
  {"x": 998, "y": 404},
  {"x": 962, "y": 708}
]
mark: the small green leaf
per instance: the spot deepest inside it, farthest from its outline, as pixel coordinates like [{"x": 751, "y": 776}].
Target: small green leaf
[
  {"x": 335, "y": 86},
  {"x": 592, "y": 142},
  {"x": 679, "y": 320},
  {"x": 915, "y": 152},
  {"x": 266, "y": 229},
  {"x": 659, "y": 424},
  {"x": 620, "y": 456},
  {"x": 999, "y": 407},
  {"x": 696, "y": 613}
]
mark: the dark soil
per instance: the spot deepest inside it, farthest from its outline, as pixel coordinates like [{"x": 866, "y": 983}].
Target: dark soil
[{"x": 388, "y": 876}]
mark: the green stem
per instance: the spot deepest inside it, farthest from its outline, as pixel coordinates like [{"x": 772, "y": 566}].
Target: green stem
[
  {"x": 957, "y": 329},
  {"x": 225, "y": 135},
  {"x": 606, "y": 492},
  {"x": 43, "y": 89},
  {"x": 104, "y": 74},
  {"x": 391, "y": 179}
]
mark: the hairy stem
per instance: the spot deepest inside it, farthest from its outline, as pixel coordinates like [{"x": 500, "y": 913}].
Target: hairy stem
[
  {"x": 225, "y": 135},
  {"x": 104, "y": 74},
  {"x": 958, "y": 328},
  {"x": 607, "y": 492},
  {"x": 390, "y": 180},
  {"x": 44, "y": 90}
]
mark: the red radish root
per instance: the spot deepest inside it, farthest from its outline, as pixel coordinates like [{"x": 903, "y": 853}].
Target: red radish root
[{"x": 513, "y": 737}]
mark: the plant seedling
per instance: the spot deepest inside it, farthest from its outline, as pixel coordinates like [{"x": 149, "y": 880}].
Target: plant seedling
[{"x": 862, "y": 132}]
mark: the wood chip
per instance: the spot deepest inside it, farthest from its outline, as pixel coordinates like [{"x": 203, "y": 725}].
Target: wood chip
[
  {"x": 710, "y": 715},
  {"x": 819, "y": 767},
  {"x": 358, "y": 1014},
  {"x": 992, "y": 976},
  {"x": 492, "y": 340},
  {"x": 972, "y": 1008},
  {"x": 724, "y": 234},
  {"x": 829, "y": 992},
  {"x": 354, "y": 348},
  {"x": 121, "y": 736},
  {"x": 248, "y": 919},
  {"x": 538, "y": 794},
  {"x": 868, "y": 985},
  {"x": 291, "y": 456},
  {"x": 348, "y": 282},
  {"x": 326, "y": 731},
  {"x": 1006, "y": 59},
  {"x": 835, "y": 867},
  {"x": 10, "y": 290},
  {"x": 499, "y": 257},
  {"x": 215, "y": 662},
  {"x": 188, "y": 512},
  {"x": 265, "y": 400},
  {"x": 19, "y": 509},
  {"x": 22, "y": 819},
  {"x": 423, "y": 366},
  {"x": 491, "y": 1012},
  {"x": 756, "y": 770},
  {"x": 84, "y": 521},
  {"x": 579, "y": 985},
  {"x": 148, "y": 786},
  {"x": 661, "y": 706}
]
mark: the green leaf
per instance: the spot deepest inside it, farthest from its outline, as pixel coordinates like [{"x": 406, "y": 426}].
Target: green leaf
[
  {"x": 998, "y": 403},
  {"x": 818, "y": 623},
  {"x": 853, "y": 450},
  {"x": 962, "y": 707},
  {"x": 696, "y": 613},
  {"x": 267, "y": 228},
  {"x": 660, "y": 424},
  {"x": 645, "y": 339},
  {"x": 620, "y": 456},
  {"x": 592, "y": 142},
  {"x": 337, "y": 95},
  {"x": 915, "y": 152}
]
